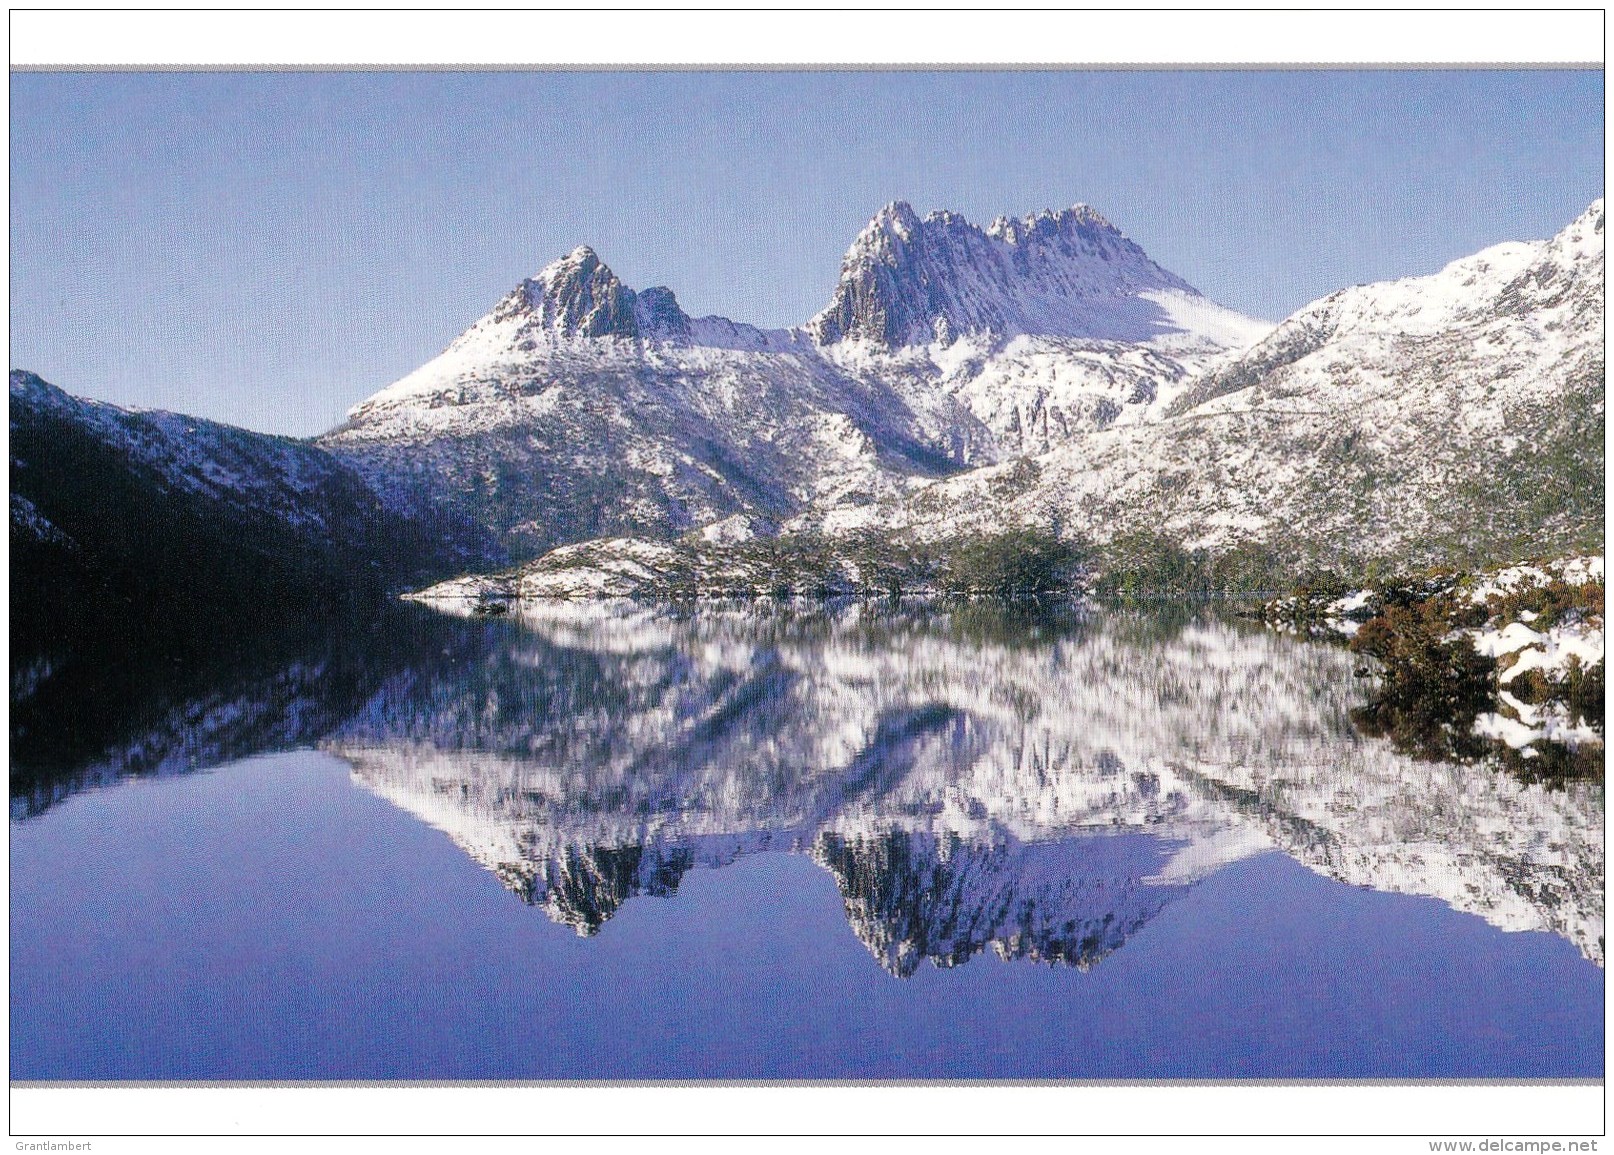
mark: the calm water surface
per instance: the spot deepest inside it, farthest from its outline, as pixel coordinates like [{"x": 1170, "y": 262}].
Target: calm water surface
[{"x": 608, "y": 842}]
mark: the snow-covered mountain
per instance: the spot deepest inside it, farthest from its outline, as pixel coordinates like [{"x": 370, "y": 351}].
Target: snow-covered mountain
[
  {"x": 579, "y": 408},
  {"x": 1039, "y": 329},
  {"x": 1449, "y": 416},
  {"x": 1041, "y": 372},
  {"x": 912, "y": 282}
]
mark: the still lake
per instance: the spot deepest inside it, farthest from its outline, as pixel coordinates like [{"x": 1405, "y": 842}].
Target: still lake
[{"x": 854, "y": 841}]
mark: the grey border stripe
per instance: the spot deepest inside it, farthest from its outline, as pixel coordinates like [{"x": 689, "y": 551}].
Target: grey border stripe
[
  {"x": 660, "y": 1084},
  {"x": 1178, "y": 66}
]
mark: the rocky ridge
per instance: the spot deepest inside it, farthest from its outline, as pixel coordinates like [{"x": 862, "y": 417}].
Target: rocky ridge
[
  {"x": 1455, "y": 417},
  {"x": 579, "y": 407},
  {"x": 1040, "y": 374}
]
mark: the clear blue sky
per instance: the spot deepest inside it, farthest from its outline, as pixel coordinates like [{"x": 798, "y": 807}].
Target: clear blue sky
[{"x": 269, "y": 249}]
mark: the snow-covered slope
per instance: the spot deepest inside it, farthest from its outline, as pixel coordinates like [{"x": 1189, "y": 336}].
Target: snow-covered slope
[
  {"x": 579, "y": 408},
  {"x": 1455, "y": 415}
]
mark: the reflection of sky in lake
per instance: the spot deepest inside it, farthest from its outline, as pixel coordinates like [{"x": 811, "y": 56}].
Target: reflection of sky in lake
[{"x": 824, "y": 803}]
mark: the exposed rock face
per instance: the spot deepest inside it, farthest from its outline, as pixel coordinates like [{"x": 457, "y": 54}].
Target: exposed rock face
[
  {"x": 576, "y": 296},
  {"x": 1038, "y": 784},
  {"x": 913, "y": 897},
  {"x": 908, "y": 281},
  {"x": 658, "y": 315},
  {"x": 580, "y": 297},
  {"x": 587, "y": 885},
  {"x": 1451, "y": 418},
  {"x": 1454, "y": 418}
]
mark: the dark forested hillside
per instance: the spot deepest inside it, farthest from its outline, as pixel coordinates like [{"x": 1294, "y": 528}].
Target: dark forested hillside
[{"x": 122, "y": 517}]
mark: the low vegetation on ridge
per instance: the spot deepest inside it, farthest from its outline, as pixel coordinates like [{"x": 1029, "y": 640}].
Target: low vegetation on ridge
[{"x": 1505, "y": 663}]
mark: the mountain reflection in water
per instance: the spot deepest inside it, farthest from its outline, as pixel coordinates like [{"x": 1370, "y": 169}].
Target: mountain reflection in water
[{"x": 1040, "y": 782}]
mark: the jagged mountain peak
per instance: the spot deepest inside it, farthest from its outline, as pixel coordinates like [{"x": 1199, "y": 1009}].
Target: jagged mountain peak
[
  {"x": 659, "y": 315},
  {"x": 609, "y": 410},
  {"x": 1077, "y": 219},
  {"x": 576, "y": 296},
  {"x": 898, "y": 216},
  {"x": 886, "y": 237},
  {"x": 1060, "y": 273},
  {"x": 1582, "y": 237},
  {"x": 580, "y": 265},
  {"x": 579, "y": 296},
  {"x": 1456, "y": 414}
]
